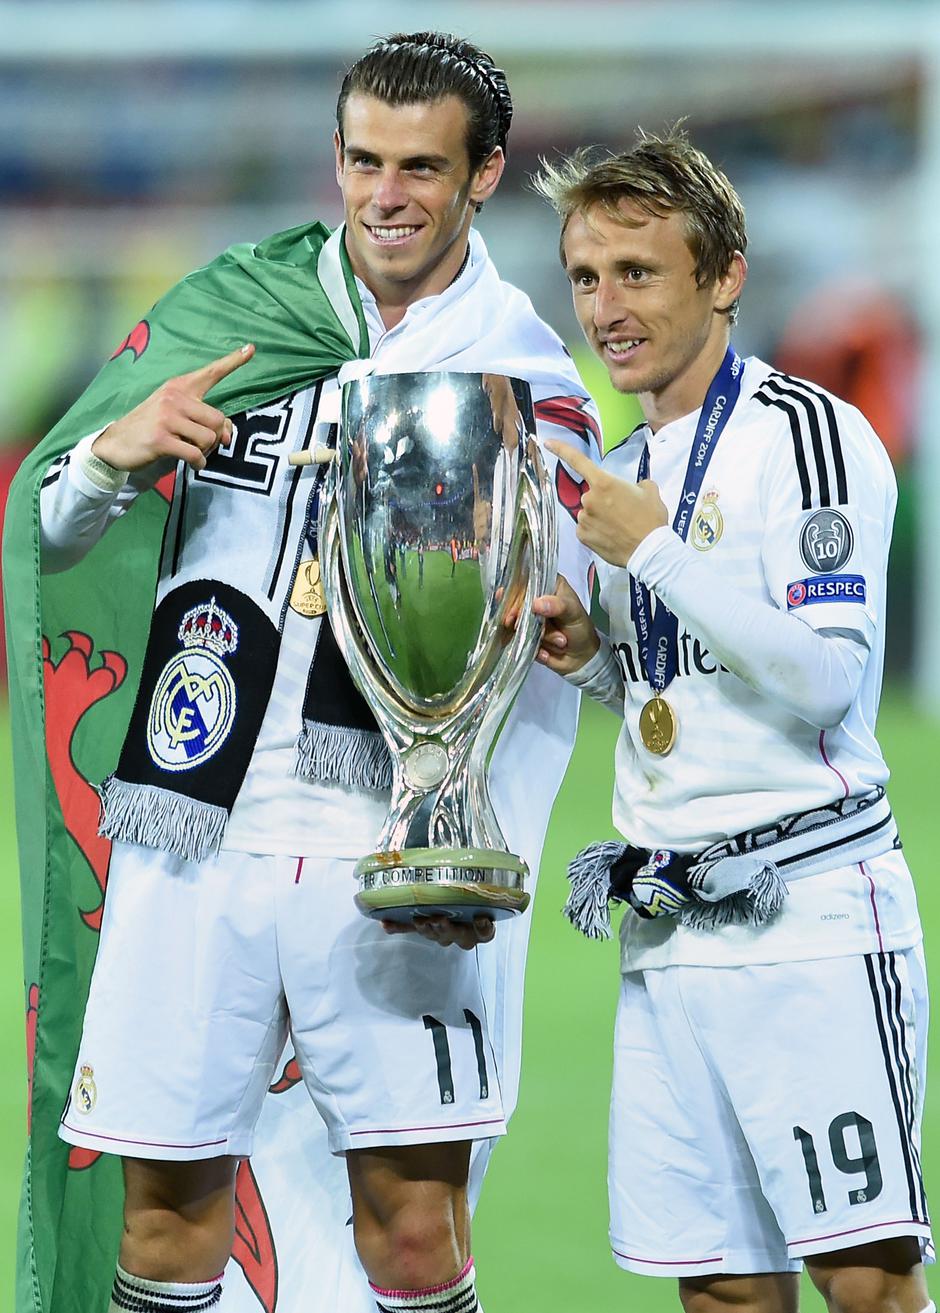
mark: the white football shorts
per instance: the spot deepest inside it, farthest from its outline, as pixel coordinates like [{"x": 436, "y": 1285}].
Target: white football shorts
[
  {"x": 761, "y": 1114},
  {"x": 203, "y": 970}
]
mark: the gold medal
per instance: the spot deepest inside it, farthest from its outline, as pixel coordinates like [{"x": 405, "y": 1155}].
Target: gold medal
[
  {"x": 658, "y": 726},
  {"x": 307, "y": 596}
]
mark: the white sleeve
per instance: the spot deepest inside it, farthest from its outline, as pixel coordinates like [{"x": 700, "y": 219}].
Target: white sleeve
[
  {"x": 80, "y": 497},
  {"x": 827, "y": 499},
  {"x": 816, "y": 676},
  {"x": 601, "y": 678}
]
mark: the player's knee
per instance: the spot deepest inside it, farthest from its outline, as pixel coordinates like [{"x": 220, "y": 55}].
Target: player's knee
[
  {"x": 709, "y": 1300},
  {"x": 774, "y": 1292},
  {"x": 410, "y": 1217},
  {"x": 416, "y": 1244},
  {"x": 856, "y": 1290},
  {"x": 875, "y": 1278},
  {"x": 860, "y": 1290},
  {"x": 179, "y": 1219}
]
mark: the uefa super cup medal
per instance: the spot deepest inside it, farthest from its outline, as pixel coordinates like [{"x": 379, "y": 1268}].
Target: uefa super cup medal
[
  {"x": 659, "y": 726},
  {"x": 307, "y": 596},
  {"x": 436, "y": 519}
]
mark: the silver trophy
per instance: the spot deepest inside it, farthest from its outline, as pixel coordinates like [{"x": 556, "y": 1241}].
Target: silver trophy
[{"x": 437, "y": 521}]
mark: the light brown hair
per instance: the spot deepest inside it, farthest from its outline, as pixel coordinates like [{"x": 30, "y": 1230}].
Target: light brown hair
[{"x": 662, "y": 176}]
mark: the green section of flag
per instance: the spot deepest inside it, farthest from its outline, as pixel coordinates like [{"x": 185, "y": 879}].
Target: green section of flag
[{"x": 269, "y": 294}]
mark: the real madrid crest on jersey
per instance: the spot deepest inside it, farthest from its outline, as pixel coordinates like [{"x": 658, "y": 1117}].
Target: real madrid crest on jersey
[
  {"x": 194, "y": 703},
  {"x": 707, "y": 524},
  {"x": 86, "y": 1092}
]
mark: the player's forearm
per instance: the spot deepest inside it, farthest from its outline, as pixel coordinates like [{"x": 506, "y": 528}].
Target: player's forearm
[{"x": 813, "y": 675}]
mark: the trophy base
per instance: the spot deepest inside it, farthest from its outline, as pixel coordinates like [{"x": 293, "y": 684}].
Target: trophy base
[{"x": 459, "y": 883}]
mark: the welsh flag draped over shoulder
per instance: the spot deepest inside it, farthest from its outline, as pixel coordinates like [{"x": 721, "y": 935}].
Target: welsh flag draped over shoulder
[{"x": 75, "y": 647}]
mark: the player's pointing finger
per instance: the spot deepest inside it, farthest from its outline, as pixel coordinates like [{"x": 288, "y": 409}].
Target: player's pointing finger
[
  {"x": 201, "y": 380},
  {"x": 576, "y": 459}
]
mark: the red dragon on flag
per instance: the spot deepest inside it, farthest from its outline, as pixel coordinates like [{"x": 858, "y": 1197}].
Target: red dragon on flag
[
  {"x": 73, "y": 684},
  {"x": 570, "y": 413}
]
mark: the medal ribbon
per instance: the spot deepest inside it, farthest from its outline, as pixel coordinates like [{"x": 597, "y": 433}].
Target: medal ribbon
[
  {"x": 312, "y": 526},
  {"x": 658, "y": 634}
]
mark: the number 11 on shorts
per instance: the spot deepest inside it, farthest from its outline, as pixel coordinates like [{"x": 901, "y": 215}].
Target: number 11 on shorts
[{"x": 445, "y": 1075}]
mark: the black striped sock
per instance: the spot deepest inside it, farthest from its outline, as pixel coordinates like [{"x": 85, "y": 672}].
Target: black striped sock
[
  {"x": 138, "y": 1295},
  {"x": 456, "y": 1296}
]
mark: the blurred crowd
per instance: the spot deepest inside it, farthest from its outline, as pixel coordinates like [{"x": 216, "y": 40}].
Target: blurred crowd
[{"x": 116, "y": 179}]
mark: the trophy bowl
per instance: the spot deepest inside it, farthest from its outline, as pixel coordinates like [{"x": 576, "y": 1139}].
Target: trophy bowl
[{"x": 436, "y": 533}]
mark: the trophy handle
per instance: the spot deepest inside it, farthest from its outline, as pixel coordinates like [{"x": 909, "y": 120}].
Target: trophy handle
[
  {"x": 537, "y": 505},
  {"x": 541, "y": 512}
]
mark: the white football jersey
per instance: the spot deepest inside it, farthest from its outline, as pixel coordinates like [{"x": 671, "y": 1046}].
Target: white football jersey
[{"x": 795, "y": 511}]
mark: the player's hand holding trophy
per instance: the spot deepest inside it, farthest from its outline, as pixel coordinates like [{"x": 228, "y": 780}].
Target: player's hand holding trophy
[{"x": 436, "y": 524}]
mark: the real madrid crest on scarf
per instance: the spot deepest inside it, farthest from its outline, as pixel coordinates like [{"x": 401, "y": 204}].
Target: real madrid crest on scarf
[
  {"x": 194, "y": 704},
  {"x": 203, "y": 692}
]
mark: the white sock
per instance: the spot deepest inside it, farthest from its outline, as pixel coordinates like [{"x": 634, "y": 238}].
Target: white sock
[
  {"x": 456, "y": 1296},
  {"x": 138, "y": 1295},
  {"x": 930, "y": 1308}
]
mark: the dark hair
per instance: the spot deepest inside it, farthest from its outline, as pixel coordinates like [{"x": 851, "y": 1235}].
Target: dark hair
[
  {"x": 423, "y": 67},
  {"x": 660, "y": 175}
]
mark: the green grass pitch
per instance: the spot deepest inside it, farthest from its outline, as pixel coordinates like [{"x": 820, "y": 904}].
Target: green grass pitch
[{"x": 541, "y": 1230}]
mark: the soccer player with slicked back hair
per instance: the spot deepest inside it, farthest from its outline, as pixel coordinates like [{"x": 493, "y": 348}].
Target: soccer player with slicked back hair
[
  {"x": 771, "y": 1027},
  {"x": 253, "y": 775}
]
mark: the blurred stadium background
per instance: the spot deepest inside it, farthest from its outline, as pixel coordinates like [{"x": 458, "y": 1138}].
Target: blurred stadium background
[{"x": 138, "y": 139}]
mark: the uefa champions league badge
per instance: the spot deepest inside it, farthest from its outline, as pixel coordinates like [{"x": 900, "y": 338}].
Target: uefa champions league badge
[
  {"x": 194, "y": 703},
  {"x": 826, "y": 541},
  {"x": 86, "y": 1092},
  {"x": 708, "y": 525}
]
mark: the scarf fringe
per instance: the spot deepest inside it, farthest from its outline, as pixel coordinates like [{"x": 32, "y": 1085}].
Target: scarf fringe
[
  {"x": 158, "y": 818},
  {"x": 588, "y": 905},
  {"x": 756, "y": 904},
  {"x": 355, "y": 757}
]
